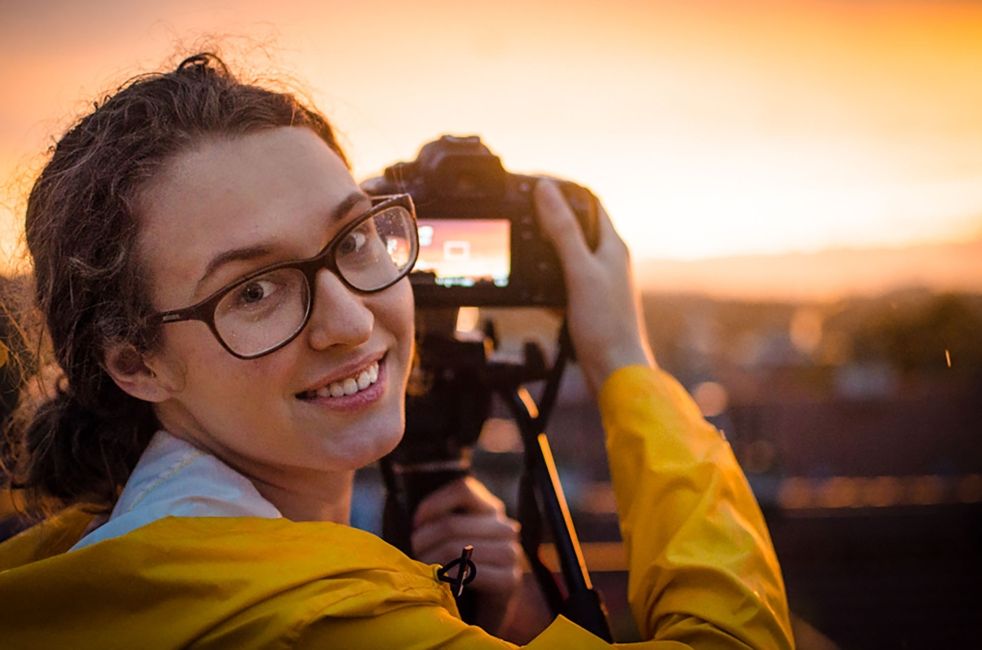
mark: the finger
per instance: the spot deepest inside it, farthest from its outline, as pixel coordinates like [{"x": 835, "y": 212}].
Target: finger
[
  {"x": 497, "y": 578},
  {"x": 491, "y": 575},
  {"x": 497, "y": 554},
  {"x": 462, "y": 530},
  {"x": 606, "y": 231},
  {"x": 469, "y": 529},
  {"x": 559, "y": 223},
  {"x": 463, "y": 495}
]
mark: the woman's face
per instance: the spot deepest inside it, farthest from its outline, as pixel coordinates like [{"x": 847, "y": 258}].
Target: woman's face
[{"x": 230, "y": 206}]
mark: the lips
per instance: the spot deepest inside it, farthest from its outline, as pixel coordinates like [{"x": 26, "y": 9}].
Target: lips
[{"x": 355, "y": 383}]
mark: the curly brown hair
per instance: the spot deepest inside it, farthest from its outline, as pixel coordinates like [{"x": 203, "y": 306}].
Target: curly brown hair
[{"x": 80, "y": 444}]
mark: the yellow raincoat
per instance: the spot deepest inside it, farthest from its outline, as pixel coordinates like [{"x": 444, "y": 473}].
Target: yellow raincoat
[{"x": 703, "y": 573}]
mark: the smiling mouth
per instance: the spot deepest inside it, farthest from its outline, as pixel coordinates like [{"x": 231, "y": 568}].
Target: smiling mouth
[{"x": 347, "y": 386}]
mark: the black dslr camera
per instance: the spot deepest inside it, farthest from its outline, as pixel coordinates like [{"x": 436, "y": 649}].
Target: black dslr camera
[{"x": 480, "y": 243}]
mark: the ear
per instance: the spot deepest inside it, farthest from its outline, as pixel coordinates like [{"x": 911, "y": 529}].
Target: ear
[{"x": 135, "y": 373}]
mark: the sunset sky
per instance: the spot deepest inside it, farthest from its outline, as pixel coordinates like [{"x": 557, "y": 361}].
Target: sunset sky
[{"x": 708, "y": 128}]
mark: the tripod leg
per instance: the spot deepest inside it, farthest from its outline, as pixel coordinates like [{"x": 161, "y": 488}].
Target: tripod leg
[{"x": 583, "y": 605}]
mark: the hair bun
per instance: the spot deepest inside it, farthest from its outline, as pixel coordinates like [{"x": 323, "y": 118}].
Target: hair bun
[{"x": 202, "y": 62}]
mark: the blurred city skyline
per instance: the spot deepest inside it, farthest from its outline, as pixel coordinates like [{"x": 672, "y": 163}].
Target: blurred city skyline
[{"x": 709, "y": 129}]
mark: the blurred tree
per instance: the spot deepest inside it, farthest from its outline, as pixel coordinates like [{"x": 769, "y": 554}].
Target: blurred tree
[{"x": 922, "y": 337}]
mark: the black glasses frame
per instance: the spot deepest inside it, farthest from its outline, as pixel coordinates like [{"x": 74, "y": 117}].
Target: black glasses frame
[{"x": 204, "y": 310}]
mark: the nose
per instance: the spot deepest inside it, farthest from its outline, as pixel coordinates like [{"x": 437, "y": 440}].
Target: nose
[{"x": 340, "y": 316}]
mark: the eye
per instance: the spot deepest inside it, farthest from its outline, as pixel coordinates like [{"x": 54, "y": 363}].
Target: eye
[
  {"x": 255, "y": 292},
  {"x": 354, "y": 242},
  {"x": 277, "y": 300}
]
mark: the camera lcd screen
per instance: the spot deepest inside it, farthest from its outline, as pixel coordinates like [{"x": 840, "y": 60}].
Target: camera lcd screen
[{"x": 465, "y": 252}]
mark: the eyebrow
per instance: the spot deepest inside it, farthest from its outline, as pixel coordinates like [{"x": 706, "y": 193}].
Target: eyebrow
[{"x": 252, "y": 252}]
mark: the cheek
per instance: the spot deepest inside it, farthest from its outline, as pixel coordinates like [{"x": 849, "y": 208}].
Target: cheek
[
  {"x": 407, "y": 309},
  {"x": 198, "y": 368},
  {"x": 396, "y": 313}
]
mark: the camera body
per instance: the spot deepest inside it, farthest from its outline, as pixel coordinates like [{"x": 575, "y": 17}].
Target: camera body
[{"x": 480, "y": 243}]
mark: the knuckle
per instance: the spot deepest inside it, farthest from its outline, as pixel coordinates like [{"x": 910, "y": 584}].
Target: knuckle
[
  {"x": 516, "y": 575},
  {"x": 513, "y": 527},
  {"x": 497, "y": 504},
  {"x": 622, "y": 247}
]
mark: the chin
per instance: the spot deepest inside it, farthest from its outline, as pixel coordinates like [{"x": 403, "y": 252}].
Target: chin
[
  {"x": 389, "y": 444},
  {"x": 365, "y": 451}
]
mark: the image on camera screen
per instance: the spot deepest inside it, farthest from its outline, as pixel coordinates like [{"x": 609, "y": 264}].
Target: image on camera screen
[{"x": 465, "y": 252}]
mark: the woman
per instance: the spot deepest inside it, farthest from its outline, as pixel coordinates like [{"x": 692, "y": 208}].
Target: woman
[{"x": 236, "y": 339}]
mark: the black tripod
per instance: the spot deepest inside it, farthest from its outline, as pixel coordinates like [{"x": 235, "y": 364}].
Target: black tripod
[{"x": 442, "y": 425}]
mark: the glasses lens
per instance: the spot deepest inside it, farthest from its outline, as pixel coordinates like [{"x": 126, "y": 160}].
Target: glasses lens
[
  {"x": 262, "y": 312},
  {"x": 379, "y": 251}
]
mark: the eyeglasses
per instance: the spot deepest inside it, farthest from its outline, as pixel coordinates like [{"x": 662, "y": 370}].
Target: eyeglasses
[{"x": 268, "y": 308}]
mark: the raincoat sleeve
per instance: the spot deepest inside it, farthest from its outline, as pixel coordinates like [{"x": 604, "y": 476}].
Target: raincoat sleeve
[{"x": 702, "y": 571}]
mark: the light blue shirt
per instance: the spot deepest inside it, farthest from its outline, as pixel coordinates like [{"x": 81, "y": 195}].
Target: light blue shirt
[{"x": 175, "y": 479}]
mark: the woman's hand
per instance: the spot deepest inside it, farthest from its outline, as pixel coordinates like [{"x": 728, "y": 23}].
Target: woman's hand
[
  {"x": 465, "y": 512},
  {"x": 603, "y": 310}
]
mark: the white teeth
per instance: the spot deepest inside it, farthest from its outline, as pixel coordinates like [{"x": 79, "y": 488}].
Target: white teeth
[{"x": 350, "y": 385}]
